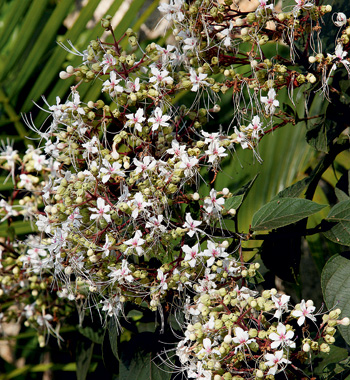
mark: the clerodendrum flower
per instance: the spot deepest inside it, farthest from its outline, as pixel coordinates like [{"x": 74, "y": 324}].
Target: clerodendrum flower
[
  {"x": 274, "y": 361},
  {"x": 136, "y": 243},
  {"x": 241, "y": 338},
  {"x": 305, "y": 310},
  {"x": 158, "y": 119},
  {"x": 198, "y": 80},
  {"x": 270, "y": 102},
  {"x": 191, "y": 225},
  {"x": 282, "y": 337},
  {"x": 100, "y": 211}
]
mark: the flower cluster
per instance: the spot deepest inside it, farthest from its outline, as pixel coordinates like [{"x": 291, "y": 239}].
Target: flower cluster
[
  {"x": 236, "y": 333},
  {"x": 127, "y": 212}
]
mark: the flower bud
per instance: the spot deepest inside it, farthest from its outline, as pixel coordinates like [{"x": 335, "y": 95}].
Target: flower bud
[
  {"x": 344, "y": 322},
  {"x": 306, "y": 347}
]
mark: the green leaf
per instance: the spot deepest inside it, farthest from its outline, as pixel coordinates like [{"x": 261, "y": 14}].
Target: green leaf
[
  {"x": 47, "y": 34},
  {"x": 96, "y": 335},
  {"x": 326, "y": 363},
  {"x": 54, "y": 64},
  {"x": 84, "y": 354},
  {"x": 233, "y": 202},
  {"x": 340, "y": 212},
  {"x": 19, "y": 228},
  {"x": 17, "y": 9},
  {"x": 340, "y": 233},
  {"x": 28, "y": 27},
  {"x": 279, "y": 213},
  {"x": 342, "y": 188},
  {"x": 237, "y": 199},
  {"x": 113, "y": 337},
  {"x": 295, "y": 190},
  {"x": 335, "y": 283}
]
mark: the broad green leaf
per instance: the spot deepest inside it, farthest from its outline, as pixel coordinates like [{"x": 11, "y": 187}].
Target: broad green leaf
[
  {"x": 295, "y": 190},
  {"x": 335, "y": 282},
  {"x": 340, "y": 232},
  {"x": 340, "y": 212},
  {"x": 279, "y": 213},
  {"x": 83, "y": 354},
  {"x": 326, "y": 363}
]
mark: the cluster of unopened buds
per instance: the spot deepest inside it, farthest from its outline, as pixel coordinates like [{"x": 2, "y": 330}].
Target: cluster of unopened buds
[{"x": 124, "y": 216}]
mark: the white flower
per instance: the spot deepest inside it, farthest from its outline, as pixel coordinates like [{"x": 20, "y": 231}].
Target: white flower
[
  {"x": 138, "y": 205},
  {"x": 136, "y": 243},
  {"x": 210, "y": 137},
  {"x": 148, "y": 164},
  {"x": 213, "y": 252},
  {"x": 263, "y": 6},
  {"x": 162, "y": 277},
  {"x": 212, "y": 203},
  {"x": 215, "y": 151},
  {"x": 273, "y": 360},
  {"x": 100, "y": 211},
  {"x": 305, "y": 311},
  {"x": 159, "y": 120},
  {"x": 255, "y": 127},
  {"x": 109, "y": 170},
  {"x": 227, "y": 33},
  {"x": 121, "y": 275},
  {"x": 106, "y": 246},
  {"x": 75, "y": 104},
  {"x": 90, "y": 147},
  {"x": 136, "y": 119},
  {"x": 176, "y": 149},
  {"x": 155, "y": 223},
  {"x": 39, "y": 161},
  {"x": 189, "y": 43},
  {"x": 241, "y": 338},
  {"x": 131, "y": 86},
  {"x": 191, "y": 225},
  {"x": 188, "y": 164},
  {"x": 241, "y": 138},
  {"x": 207, "y": 348},
  {"x": 191, "y": 254},
  {"x": 43, "y": 224},
  {"x": 111, "y": 86},
  {"x": 108, "y": 61},
  {"x": 172, "y": 10},
  {"x": 160, "y": 77},
  {"x": 270, "y": 102},
  {"x": 281, "y": 304},
  {"x": 197, "y": 80},
  {"x": 282, "y": 337}
]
